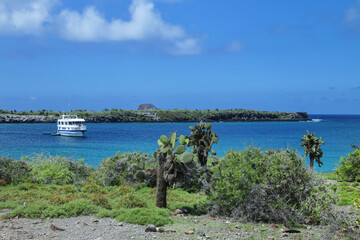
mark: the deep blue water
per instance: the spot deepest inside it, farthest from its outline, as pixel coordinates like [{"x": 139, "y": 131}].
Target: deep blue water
[{"x": 105, "y": 139}]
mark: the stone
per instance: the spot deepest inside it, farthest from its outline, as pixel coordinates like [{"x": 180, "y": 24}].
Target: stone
[
  {"x": 211, "y": 218},
  {"x": 160, "y": 229},
  {"x": 190, "y": 232},
  {"x": 93, "y": 220},
  {"x": 120, "y": 224},
  {"x": 150, "y": 228},
  {"x": 310, "y": 220},
  {"x": 273, "y": 226},
  {"x": 55, "y": 228},
  {"x": 82, "y": 224},
  {"x": 178, "y": 211}
]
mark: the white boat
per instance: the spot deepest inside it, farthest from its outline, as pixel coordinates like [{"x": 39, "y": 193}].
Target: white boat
[{"x": 71, "y": 125}]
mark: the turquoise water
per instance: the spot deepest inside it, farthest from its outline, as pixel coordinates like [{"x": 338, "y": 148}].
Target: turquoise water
[{"x": 105, "y": 139}]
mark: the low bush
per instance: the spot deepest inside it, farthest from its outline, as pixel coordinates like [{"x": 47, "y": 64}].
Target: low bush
[
  {"x": 13, "y": 172},
  {"x": 125, "y": 203},
  {"x": 349, "y": 170},
  {"x": 122, "y": 167},
  {"x": 58, "y": 170},
  {"x": 346, "y": 193},
  {"x": 145, "y": 216},
  {"x": 270, "y": 186}
]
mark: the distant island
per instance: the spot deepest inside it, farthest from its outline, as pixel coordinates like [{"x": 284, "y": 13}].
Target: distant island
[{"x": 154, "y": 115}]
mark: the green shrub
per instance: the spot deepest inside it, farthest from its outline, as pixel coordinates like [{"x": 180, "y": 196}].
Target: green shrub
[
  {"x": 129, "y": 200},
  {"x": 58, "y": 170},
  {"x": 116, "y": 169},
  {"x": 13, "y": 171},
  {"x": 349, "y": 170},
  {"x": 79, "y": 207},
  {"x": 346, "y": 193},
  {"x": 111, "y": 213},
  {"x": 31, "y": 210},
  {"x": 270, "y": 186},
  {"x": 145, "y": 216}
]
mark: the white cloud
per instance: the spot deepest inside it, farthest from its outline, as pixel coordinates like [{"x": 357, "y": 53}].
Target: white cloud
[
  {"x": 352, "y": 18},
  {"x": 145, "y": 24},
  {"x": 24, "y": 16},
  {"x": 188, "y": 46},
  {"x": 351, "y": 15},
  {"x": 234, "y": 46}
]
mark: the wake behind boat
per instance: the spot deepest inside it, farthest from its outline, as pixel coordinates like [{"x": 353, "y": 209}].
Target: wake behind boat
[{"x": 71, "y": 126}]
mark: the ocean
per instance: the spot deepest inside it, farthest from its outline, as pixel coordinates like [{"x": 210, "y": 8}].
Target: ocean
[{"x": 105, "y": 139}]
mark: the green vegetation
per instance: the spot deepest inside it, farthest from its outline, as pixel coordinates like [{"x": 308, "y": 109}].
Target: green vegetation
[
  {"x": 270, "y": 186},
  {"x": 172, "y": 161},
  {"x": 201, "y": 139},
  {"x": 176, "y": 115},
  {"x": 122, "y": 167},
  {"x": 13, "y": 172},
  {"x": 123, "y": 202},
  {"x": 346, "y": 193},
  {"x": 312, "y": 146},
  {"x": 58, "y": 170},
  {"x": 349, "y": 170},
  {"x": 328, "y": 176}
]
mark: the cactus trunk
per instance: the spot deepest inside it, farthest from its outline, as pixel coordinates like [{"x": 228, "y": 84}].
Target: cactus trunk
[
  {"x": 311, "y": 161},
  {"x": 202, "y": 159},
  {"x": 161, "y": 182}
]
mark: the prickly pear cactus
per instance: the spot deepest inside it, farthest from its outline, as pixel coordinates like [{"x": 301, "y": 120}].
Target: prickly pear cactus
[
  {"x": 179, "y": 163},
  {"x": 201, "y": 139}
]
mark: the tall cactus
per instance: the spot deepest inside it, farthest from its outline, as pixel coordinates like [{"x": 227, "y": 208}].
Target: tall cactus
[
  {"x": 171, "y": 159},
  {"x": 201, "y": 139},
  {"x": 312, "y": 146}
]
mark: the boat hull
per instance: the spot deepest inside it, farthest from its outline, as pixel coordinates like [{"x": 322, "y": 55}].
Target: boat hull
[{"x": 72, "y": 133}]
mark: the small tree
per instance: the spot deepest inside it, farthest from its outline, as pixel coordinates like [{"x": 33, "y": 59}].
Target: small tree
[
  {"x": 201, "y": 139},
  {"x": 312, "y": 145}
]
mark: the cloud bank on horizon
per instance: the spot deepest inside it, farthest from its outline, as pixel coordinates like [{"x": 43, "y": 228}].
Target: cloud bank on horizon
[{"x": 38, "y": 17}]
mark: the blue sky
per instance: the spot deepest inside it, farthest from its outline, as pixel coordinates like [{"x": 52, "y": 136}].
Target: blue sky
[{"x": 197, "y": 54}]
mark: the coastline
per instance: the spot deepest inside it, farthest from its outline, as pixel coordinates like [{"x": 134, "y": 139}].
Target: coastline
[{"x": 159, "y": 116}]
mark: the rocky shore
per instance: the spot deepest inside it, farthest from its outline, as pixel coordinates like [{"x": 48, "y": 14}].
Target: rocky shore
[{"x": 165, "y": 116}]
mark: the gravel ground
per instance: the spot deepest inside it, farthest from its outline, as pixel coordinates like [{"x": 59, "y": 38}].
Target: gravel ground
[
  {"x": 91, "y": 228},
  {"x": 73, "y": 228},
  {"x": 184, "y": 227}
]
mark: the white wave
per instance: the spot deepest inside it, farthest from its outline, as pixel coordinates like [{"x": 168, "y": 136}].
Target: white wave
[{"x": 316, "y": 120}]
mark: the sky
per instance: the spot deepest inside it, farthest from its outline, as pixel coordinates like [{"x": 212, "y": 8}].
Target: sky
[{"x": 276, "y": 55}]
